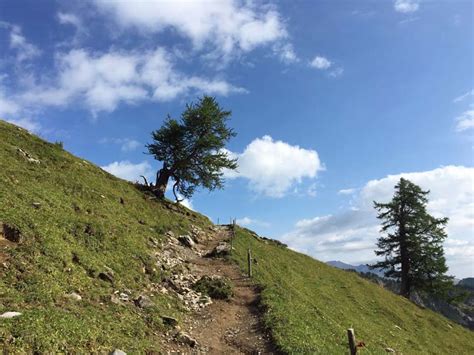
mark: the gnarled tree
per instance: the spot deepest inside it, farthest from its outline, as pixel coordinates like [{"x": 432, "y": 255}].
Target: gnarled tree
[{"x": 192, "y": 149}]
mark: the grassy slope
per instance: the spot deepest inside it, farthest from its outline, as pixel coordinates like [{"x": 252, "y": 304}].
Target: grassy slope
[
  {"x": 76, "y": 233},
  {"x": 310, "y": 305},
  {"x": 80, "y": 228}
]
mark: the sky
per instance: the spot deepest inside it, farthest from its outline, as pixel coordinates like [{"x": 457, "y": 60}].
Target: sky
[{"x": 333, "y": 101}]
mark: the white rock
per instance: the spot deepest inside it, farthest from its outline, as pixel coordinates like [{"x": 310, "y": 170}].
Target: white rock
[
  {"x": 8, "y": 315},
  {"x": 74, "y": 296}
]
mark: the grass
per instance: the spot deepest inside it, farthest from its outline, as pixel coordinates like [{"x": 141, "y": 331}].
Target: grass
[
  {"x": 309, "y": 306},
  {"x": 216, "y": 288},
  {"x": 80, "y": 229}
]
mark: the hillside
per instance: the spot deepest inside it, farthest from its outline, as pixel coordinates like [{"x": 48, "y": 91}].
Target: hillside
[{"x": 70, "y": 229}]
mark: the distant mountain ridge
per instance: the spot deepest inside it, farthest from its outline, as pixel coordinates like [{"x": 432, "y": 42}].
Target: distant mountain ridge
[{"x": 362, "y": 268}]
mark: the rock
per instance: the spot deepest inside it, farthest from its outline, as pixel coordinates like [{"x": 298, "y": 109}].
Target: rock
[
  {"x": 186, "y": 240},
  {"x": 143, "y": 301},
  {"x": 28, "y": 156},
  {"x": 170, "y": 321},
  {"x": 118, "y": 352},
  {"x": 10, "y": 233},
  {"x": 74, "y": 296},
  {"x": 36, "y": 205},
  {"x": 8, "y": 315},
  {"x": 222, "y": 249},
  {"x": 107, "y": 275},
  {"x": 389, "y": 350},
  {"x": 186, "y": 339}
]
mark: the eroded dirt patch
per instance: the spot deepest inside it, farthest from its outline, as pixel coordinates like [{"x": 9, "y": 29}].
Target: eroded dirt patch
[{"x": 225, "y": 326}]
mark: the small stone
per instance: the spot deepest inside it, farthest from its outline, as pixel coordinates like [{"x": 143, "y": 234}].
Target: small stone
[
  {"x": 118, "y": 352},
  {"x": 222, "y": 249},
  {"x": 143, "y": 301},
  {"x": 36, "y": 205},
  {"x": 389, "y": 350},
  {"x": 186, "y": 240},
  {"x": 170, "y": 321},
  {"x": 186, "y": 339},
  {"x": 107, "y": 275},
  {"x": 8, "y": 315},
  {"x": 74, "y": 296}
]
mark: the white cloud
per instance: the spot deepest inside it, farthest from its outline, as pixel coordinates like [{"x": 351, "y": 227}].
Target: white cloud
[
  {"x": 187, "y": 203},
  {"x": 227, "y": 25},
  {"x": 351, "y": 235},
  {"x": 347, "y": 191},
  {"x": 465, "y": 121},
  {"x": 126, "y": 144},
  {"x": 406, "y": 6},
  {"x": 337, "y": 72},
  {"x": 8, "y": 106},
  {"x": 26, "y": 123},
  {"x": 274, "y": 167},
  {"x": 103, "y": 81},
  {"x": 69, "y": 19},
  {"x": 18, "y": 42},
  {"x": 320, "y": 62},
  {"x": 286, "y": 53},
  {"x": 464, "y": 96},
  {"x": 130, "y": 171},
  {"x": 247, "y": 221}
]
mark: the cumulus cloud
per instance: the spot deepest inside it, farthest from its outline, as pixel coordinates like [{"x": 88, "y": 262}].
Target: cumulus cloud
[
  {"x": 247, "y": 221},
  {"x": 406, "y": 6},
  {"x": 228, "y": 25},
  {"x": 274, "y": 167},
  {"x": 320, "y": 62},
  {"x": 351, "y": 235},
  {"x": 103, "y": 81},
  {"x": 465, "y": 121},
  {"x": 129, "y": 171}
]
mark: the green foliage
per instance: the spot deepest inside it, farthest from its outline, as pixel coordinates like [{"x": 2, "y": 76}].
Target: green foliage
[
  {"x": 214, "y": 287},
  {"x": 77, "y": 220},
  {"x": 309, "y": 306},
  {"x": 192, "y": 148},
  {"x": 412, "y": 243}
]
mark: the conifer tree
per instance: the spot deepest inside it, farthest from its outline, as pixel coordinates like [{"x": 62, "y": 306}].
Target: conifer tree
[
  {"x": 412, "y": 242},
  {"x": 192, "y": 149}
]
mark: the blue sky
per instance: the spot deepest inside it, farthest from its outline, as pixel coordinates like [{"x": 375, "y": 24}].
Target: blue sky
[{"x": 333, "y": 101}]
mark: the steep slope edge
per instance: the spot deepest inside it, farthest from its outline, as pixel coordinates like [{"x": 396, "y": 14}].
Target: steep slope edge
[{"x": 309, "y": 305}]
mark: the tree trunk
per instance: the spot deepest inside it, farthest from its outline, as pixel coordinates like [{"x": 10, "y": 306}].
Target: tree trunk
[
  {"x": 162, "y": 178},
  {"x": 405, "y": 272},
  {"x": 405, "y": 257}
]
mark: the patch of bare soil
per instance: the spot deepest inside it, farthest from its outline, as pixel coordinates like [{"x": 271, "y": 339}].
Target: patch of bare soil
[{"x": 225, "y": 326}]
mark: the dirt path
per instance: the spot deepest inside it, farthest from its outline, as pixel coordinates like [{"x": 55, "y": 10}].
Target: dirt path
[{"x": 226, "y": 327}]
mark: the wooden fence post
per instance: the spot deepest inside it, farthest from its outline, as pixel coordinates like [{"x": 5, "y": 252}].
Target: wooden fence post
[
  {"x": 352, "y": 341},
  {"x": 232, "y": 236},
  {"x": 249, "y": 259}
]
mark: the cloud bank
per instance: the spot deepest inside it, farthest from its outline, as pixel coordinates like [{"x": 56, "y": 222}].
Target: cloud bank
[{"x": 351, "y": 235}]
